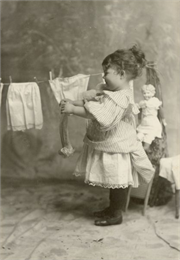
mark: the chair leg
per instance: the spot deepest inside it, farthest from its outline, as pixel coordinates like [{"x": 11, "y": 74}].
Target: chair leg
[
  {"x": 128, "y": 198},
  {"x": 177, "y": 193},
  {"x": 147, "y": 197}
]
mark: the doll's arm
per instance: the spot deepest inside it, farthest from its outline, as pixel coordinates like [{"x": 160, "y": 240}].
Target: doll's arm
[
  {"x": 141, "y": 104},
  {"x": 140, "y": 115},
  {"x": 161, "y": 114}
]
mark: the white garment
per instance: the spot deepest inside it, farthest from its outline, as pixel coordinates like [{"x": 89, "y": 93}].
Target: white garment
[
  {"x": 108, "y": 170},
  {"x": 1, "y": 88},
  {"x": 112, "y": 129},
  {"x": 170, "y": 170},
  {"x": 150, "y": 124},
  {"x": 23, "y": 107},
  {"x": 114, "y": 170},
  {"x": 111, "y": 144},
  {"x": 70, "y": 87}
]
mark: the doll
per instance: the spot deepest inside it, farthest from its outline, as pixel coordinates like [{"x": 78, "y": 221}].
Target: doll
[{"x": 150, "y": 126}]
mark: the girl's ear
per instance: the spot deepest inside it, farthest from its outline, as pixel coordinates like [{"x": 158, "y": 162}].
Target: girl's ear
[{"x": 122, "y": 73}]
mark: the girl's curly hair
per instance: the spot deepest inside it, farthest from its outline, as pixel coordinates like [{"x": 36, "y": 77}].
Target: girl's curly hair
[{"x": 130, "y": 60}]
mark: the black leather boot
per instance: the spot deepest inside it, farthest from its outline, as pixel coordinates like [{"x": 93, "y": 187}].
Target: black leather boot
[
  {"x": 113, "y": 214},
  {"x": 113, "y": 219},
  {"x": 103, "y": 213}
]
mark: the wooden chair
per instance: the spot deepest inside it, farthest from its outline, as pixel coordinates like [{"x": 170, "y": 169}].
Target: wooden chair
[
  {"x": 177, "y": 194},
  {"x": 170, "y": 170},
  {"x": 142, "y": 192}
]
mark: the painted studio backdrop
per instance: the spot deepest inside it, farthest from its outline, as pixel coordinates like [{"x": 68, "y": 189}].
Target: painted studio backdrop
[{"x": 70, "y": 38}]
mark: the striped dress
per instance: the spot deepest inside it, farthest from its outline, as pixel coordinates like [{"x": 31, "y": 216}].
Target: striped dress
[{"x": 111, "y": 156}]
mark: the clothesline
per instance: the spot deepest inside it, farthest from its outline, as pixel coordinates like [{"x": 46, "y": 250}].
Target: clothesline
[
  {"x": 41, "y": 81},
  {"x": 22, "y": 101}
]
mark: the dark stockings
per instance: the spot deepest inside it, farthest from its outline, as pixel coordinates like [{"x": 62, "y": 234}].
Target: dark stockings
[{"x": 118, "y": 199}]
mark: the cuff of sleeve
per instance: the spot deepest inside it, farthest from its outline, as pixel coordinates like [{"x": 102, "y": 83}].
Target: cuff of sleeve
[{"x": 87, "y": 108}]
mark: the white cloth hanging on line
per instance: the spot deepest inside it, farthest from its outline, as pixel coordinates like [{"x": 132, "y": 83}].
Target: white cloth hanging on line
[
  {"x": 69, "y": 87},
  {"x": 23, "y": 107}
]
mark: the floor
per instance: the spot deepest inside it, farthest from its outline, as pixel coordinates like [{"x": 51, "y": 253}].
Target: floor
[{"x": 53, "y": 220}]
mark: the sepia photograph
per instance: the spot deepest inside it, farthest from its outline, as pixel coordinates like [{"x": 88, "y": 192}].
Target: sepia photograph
[{"x": 90, "y": 130}]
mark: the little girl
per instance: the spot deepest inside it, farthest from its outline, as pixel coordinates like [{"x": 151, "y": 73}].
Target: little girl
[
  {"x": 150, "y": 126},
  {"x": 111, "y": 150}
]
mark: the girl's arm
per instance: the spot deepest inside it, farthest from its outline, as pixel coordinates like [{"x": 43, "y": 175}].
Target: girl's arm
[
  {"x": 81, "y": 111},
  {"x": 67, "y": 108},
  {"x": 79, "y": 103},
  {"x": 92, "y": 94}
]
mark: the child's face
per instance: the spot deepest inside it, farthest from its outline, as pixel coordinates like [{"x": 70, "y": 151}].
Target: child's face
[
  {"x": 147, "y": 94},
  {"x": 112, "y": 79}
]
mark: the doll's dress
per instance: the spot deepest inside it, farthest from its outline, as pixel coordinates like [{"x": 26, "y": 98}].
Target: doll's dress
[{"x": 150, "y": 124}]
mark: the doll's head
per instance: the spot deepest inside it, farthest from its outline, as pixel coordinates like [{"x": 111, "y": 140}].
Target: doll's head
[{"x": 148, "y": 91}]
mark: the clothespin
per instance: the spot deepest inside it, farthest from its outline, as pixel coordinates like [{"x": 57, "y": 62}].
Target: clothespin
[
  {"x": 36, "y": 79},
  {"x": 50, "y": 76},
  {"x": 10, "y": 79}
]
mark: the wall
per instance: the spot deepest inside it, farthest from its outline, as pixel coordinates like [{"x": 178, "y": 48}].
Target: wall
[{"x": 73, "y": 37}]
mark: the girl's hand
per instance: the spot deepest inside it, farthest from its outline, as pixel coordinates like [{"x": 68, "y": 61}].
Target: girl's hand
[
  {"x": 69, "y": 100},
  {"x": 99, "y": 98},
  {"x": 89, "y": 94},
  {"x": 66, "y": 107},
  {"x": 66, "y": 100},
  {"x": 100, "y": 87}
]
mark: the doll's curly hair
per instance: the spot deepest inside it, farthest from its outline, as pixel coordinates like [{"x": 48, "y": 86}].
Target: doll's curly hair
[{"x": 148, "y": 87}]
